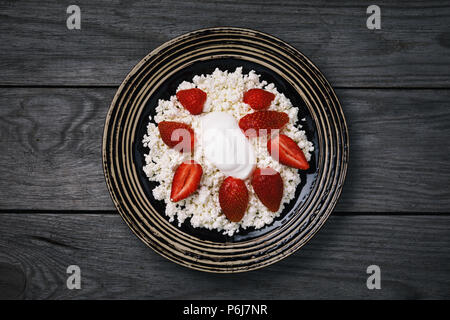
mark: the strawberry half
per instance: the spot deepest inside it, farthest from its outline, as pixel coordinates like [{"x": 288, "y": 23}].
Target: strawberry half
[
  {"x": 286, "y": 151},
  {"x": 192, "y": 99},
  {"x": 268, "y": 186},
  {"x": 262, "y": 122},
  {"x": 258, "y": 99},
  {"x": 177, "y": 135},
  {"x": 233, "y": 198},
  {"x": 186, "y": 180}
]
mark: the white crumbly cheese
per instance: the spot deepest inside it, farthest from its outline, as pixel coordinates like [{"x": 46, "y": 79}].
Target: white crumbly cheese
[{"x": 225, "y": 93}]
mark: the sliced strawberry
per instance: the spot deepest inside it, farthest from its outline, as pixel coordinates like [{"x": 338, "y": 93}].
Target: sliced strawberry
[
  {"x": 233, "y": 198},
  {"x": 286, "y": 151},
  {"x": 262, "y": 122},
  {"x": 177, "y": 135},
  {"x": 192, "y": 99},
  {"x": 268, "y": 186},
  {"x": 186, "y": 180},
  {"x": 258, "y": 99}
]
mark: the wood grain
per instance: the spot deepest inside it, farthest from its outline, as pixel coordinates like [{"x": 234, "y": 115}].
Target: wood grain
[
  {"x": 412, "y": 49},
  {"x": 50, "y": 142},
  {"x": 51, "y": 150},
  {"x": 36, "y": 249},
  {"x": 399, "y": 151}
]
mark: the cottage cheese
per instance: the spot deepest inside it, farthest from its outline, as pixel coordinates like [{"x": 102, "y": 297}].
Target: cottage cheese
[{"x": 225, "y": 92}]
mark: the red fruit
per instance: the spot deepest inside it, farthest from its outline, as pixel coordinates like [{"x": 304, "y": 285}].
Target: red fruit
[
  {"x": 186, "y": 180},
  {"x": 192, "y": 99},
  {"x": 177, "y": 135},
  {"x": 233, "y": 198},
  {"x": 258, "y": 99},
  {"x": 268, "y": 186},
  {"x": 287, "y": 152},
  {"x": 253, "y": 123}
]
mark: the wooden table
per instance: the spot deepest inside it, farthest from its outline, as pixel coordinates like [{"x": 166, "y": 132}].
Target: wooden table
[{"x": 56, "y": 86}]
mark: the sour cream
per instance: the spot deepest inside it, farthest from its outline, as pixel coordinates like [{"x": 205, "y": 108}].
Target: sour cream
[{"x": 226, "y": 146}]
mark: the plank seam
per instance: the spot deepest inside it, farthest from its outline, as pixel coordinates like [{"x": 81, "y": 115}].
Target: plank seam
[
  {"x": 114, "y": 212},
  {"x": 2, "y": 86}
]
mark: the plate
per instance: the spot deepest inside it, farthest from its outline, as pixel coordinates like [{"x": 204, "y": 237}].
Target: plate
[{"x": 157, "y": 76}]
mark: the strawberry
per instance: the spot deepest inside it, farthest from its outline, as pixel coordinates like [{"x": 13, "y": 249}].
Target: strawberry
[
  {"x": 177, "y": 135},
  {"x": 258, "y": 99},
  {"x": 268, "y": 186},
  {"x": 186, "y": 180},
  {"x": 192, "y": 99},
  {"x": 233, "y": 198},
  {"x": 287, "y": 152},
  {"x": 252, "y": 123}
]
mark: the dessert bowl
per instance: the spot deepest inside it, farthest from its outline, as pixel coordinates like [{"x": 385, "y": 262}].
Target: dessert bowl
[{"x": 156, "y": 78}]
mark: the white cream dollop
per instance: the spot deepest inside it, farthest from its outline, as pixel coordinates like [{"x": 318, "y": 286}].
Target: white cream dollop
[{"x": 226, "y": 146}]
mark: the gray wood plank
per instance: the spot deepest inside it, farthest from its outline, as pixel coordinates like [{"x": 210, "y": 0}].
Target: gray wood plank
[
  {"x": 399, "y": 151},
  {"x": 50, "y": 150},
  {"x": 50, "y": 142},
  {"x": 412, "y": 252},
  {"x": 412, "y": 49}
]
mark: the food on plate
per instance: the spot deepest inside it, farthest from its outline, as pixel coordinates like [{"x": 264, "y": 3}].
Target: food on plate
[
  {"x": 268, "y": 186},
  {"x": 241, "y": 150},
  {"x": 192, "y": 99},
  {"x": 185, "y": 180},
  {"x": 287, "y": 152},
  {"x": 233, "y": 198},
  {"x": 258, "y": 99},
  {"x": 263, "y": 122},
  {"x": 177, "y": 135},
  {"x": 226, "y": 146}
]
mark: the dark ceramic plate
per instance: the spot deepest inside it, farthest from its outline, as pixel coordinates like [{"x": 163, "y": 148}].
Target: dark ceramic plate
[{"x": 156, "y": 77}]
